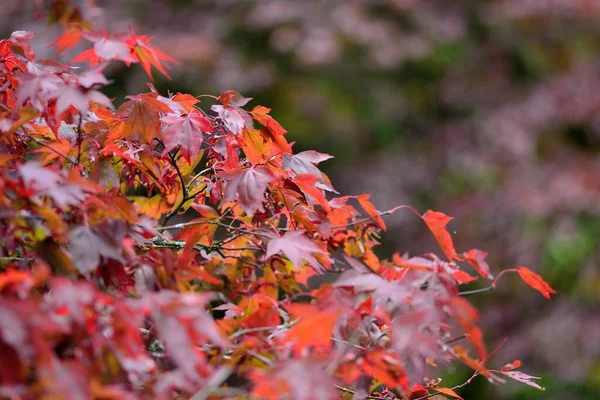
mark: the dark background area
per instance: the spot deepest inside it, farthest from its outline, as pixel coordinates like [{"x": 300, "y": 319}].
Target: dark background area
[{"x": 488, "y": 111}]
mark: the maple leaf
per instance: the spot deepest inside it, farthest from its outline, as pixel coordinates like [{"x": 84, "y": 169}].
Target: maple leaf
[
  {"x": 230, "y": 111},
  {"x": 383, "y": 291},
  {"x": 305, "y": 163},
  {"x": 105, "y": 48},
  {"x": 67, "y": 40},
  {"x": 183, "y": 324},
  {"x": 476, "y": 258},
  {"x": 185, "y": 132},
  {"x": 249, "y": 186},
  {"x": 69, "y": 95},
  {"x": 308, "y": 185},
  {"x": 38, "y": 88},
  {"x": 436, "y": 222},
  {"x": 296, "y": 247},
  {"x": 536, "y": 282},
  {"x": 142, "y": 114},
  {"x": 149, "y": 56},
  {"x": 88, "y": 246},
  {"x": 44, "y": 181}
]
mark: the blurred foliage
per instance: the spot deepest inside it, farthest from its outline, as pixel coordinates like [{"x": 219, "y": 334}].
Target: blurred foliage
[{"x": 486, "y": 110}]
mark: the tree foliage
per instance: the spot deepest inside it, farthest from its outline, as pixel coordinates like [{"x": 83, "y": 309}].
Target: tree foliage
[{"x": 103, "y": 295}]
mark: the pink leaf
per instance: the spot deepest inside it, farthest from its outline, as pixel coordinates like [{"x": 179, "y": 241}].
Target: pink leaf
[
  {"x": 249, "y": 185},
  {"x": 185, "y": 131},
  {"x": 296, "y": 247},
  {"x": 523, "y": 378}
]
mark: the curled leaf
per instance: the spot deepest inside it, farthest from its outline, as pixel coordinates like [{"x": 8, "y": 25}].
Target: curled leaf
[{"x": 536, "y": 282}]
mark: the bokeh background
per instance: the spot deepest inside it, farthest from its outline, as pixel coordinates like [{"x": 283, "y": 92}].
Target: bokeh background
[{"x": 486, "y": 110}]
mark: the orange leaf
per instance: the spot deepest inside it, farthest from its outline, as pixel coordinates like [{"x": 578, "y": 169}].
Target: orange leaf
[
  {"x": 142, "y": 117},
  {"x": 306, "y": 183},
  {"x": 448, "y": 392},
  {"x": 536, "y": 282},
  {"x": 436, "y": 222},
  {"x": 314, "y": 328},
  {"x": 194, "y": 234},
  {"x": 461, "y": 353},
  {"x": 462, "y": 277},
  {"x": 466, "y": 315},
  {"x": 513, "y": 365},
  {"x": 364, "y": 202},
  {"x": 187, "y": 101},
  {"x": 261, "y": 114}
]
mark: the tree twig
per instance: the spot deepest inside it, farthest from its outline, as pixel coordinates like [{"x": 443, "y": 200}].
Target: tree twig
[
  {"x": 476, "y": 291},
  {"x": 216, "y": 380}
]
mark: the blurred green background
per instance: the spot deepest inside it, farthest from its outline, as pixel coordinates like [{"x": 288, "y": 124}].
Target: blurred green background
[{"x": 486, "y": 110}]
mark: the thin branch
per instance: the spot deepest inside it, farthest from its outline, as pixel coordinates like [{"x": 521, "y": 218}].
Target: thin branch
[
  {"x": 284, "y": 326},
  {"x": 370, "y": 218},
  {"x": 265, "y": 360},
  {"x": 198, "y": 175},
  {"x": 186, "y": 196},
  {"x": 79, "y": 139},
  {"x": 456, "y": 339},
  {"x": 69, "y": 159},
  {"x": 216, "y": 380},
  {"x": 346, "y": 390},
  {"x": 476, "y": 291}
]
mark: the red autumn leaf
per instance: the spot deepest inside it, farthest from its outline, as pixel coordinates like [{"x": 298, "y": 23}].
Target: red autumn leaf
[
  {"x": 67, "y": 40},
  {"x": 142, "y": 117},
  {"x": 436, "y": 222},
  {"x": 418, "y": 391},
  {"x": 308, "y": 186},
  {"x": 364, "y": 202},
  {"x": 186, "y": 132},
  {"x": 248, "y": 185},
  {"x": 476, "y": 258},
  {"x": 149, "y": 56},
  {"x": 197, "y": 233},
  {"x": 296, "y": 247},
  {"x": 536, "y": 282}
]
